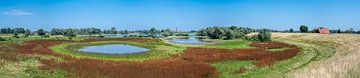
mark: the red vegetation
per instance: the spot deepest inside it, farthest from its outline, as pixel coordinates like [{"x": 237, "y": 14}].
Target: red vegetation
[
  {"x": 262, "y": 56},
  {"x": 191, "y": 64}
]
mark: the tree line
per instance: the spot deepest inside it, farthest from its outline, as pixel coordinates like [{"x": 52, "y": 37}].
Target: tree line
[
  {"x": 72, "y": 32},
  {"x": 305, "y": 29},
  {"x": 234, "y": 32}
]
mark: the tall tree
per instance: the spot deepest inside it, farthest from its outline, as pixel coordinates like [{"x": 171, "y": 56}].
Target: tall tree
[
  {"x": 291, "y": 30},
  {"x": 303, "y": 28},
  {"x": 153, "y": 32},
  {"x": 167, "y": 32},
  {"x": 41, "y": 32}
]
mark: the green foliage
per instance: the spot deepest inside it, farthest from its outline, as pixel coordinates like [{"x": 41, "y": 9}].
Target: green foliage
[
  {"x": 291, "y": 30},
  {"x": 41, "y": 32},
  {"x": 101, "y": 36},
  {"x": 225, "y": 32},
  {"x": 351, "y": 30},
  {"x": 229, "y": 34},
  {"x": 16, "y": 35},
  {"x": 113, "y": 30},
  {"x": 153, "y": 32},
  {"x": 2, "y": 39},
  {"x": 264, "y": 35},
  {"x": 303, "y": 28},
  {"x": 70, "y": 33},
  {"x": 14, "y": 30},
  {"x": 182, "y": 34},
  {"x": 167, "y": 32}
]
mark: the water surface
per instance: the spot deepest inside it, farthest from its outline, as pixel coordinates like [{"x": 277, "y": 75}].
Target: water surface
[
  {"x": 191, "y": 40},
  {"x": 114, "y": 49}
]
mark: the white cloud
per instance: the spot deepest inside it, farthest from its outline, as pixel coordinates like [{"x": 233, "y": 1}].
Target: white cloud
[{"x": 17, "y": 12}]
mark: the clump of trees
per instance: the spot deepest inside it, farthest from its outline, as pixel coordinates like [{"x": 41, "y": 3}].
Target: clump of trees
[
  {"x": 15, "y": 31},
  {"x": 41, "y": 32},
  {"x": 82, "y": 31},
  {"x": 167, "y": 32},
  {"x": 264, "y": 35},
  {"x": 225, "y": 32},
  {"x": 304, "y": 28},
  {"x": 234, "y": 32}
]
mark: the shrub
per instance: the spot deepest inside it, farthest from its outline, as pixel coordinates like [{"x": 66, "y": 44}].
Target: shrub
[
  {"x": 101, "y": 36},
  {"x": 46, "y": 35},
  {"x": 2, "y": 39},
  {"x": 264, "y": 35},
  {"x": 181, "y": 34},
  {"x": 303, "y": 28},
  {"x": 16, "y": 35}
]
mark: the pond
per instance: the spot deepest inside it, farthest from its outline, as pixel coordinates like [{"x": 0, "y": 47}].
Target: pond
[
  {"x": 190, "y": 40},
  {"x": 113, "y": 49}
]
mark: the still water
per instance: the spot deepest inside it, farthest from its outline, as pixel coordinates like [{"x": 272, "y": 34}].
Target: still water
[
  {"x": 191, "y": 40},
  {"x": 113, "y": 49}
]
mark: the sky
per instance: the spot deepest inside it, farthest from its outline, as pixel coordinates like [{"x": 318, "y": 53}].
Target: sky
[{"x": 181, "y": 14}]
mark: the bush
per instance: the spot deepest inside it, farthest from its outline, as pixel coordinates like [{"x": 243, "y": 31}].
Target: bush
[
  {"x": 264, "y": 35},
  {"x": 16, "y": 35},
  {"x": 2, "y": 39},
  {"x": 181, "y": 34},
  {"x": 46, "y": 36},
  {"x": 251, "y": 38},
  {"x": 101, "y": 36},
  {"x": 303, "y": 28}
]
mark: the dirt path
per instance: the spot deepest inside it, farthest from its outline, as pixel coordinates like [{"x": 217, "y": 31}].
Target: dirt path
[{"x": 346, "y": 57}]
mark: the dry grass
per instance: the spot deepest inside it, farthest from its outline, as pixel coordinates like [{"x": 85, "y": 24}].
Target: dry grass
[{"x": 339, "y": 65}]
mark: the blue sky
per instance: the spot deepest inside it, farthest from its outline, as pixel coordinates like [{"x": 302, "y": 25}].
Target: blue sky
[{"x": 181, "y": 14}]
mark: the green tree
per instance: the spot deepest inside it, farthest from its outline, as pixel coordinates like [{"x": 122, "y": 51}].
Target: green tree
[
  {"x": 113, "y": 30},
  {"x": 167, "y": 32},
  {"x": 338, "y": 31},
  {"x": 16, "y": 35},
  {"x": 153, "y": 32},
  {"x": 291, "y": 30},
  {"x": 2, "y": 39},
  {"x": 70, "y": 33},
  {"x": 229, "y": 34},
  {"x": 303, "y": 28},
  {"x": 41, "y": 32},
  {"x": 264, "y": 35},
  {"x": 351, "y": 30},
  {"x": 217, "y": 33}
]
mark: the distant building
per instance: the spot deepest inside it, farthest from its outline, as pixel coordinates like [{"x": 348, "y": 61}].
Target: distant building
[{"x": 323, "y": 30}]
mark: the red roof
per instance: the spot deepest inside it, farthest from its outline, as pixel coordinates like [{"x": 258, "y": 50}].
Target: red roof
[{"x": 323, "y": 30}]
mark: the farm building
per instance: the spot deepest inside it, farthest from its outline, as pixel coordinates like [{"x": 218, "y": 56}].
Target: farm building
[{"x": 323, "y": 30}]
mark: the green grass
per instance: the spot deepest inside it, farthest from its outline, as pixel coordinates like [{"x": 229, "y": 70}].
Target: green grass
[
  {"x": 310, "y": 51},
  {"x": 230, "y": 44},
  {"x": 157, "y": 50}
]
